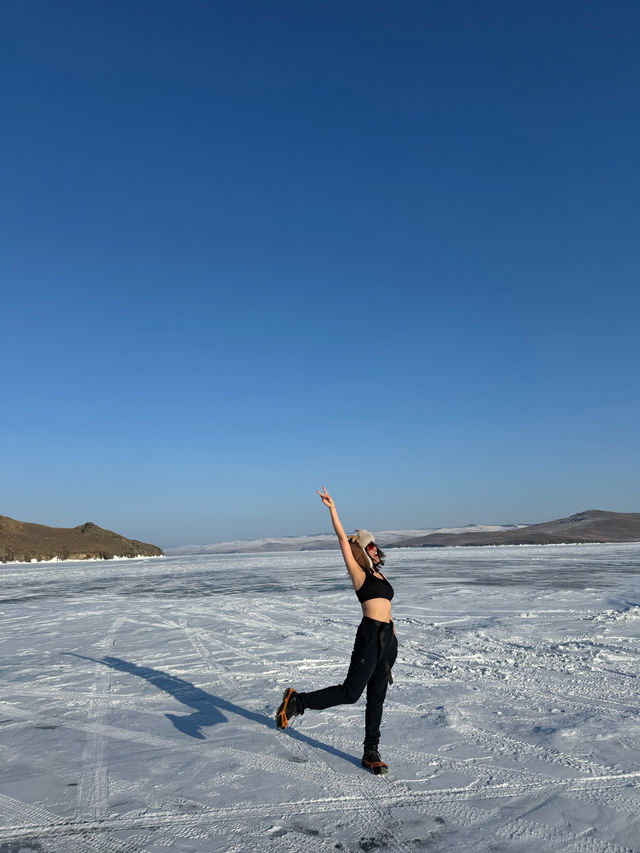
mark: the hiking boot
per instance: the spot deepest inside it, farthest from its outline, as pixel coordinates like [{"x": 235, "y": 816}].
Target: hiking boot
[
  {"x": 291, "y": 706},
  {"x": 372, "y": 761}
]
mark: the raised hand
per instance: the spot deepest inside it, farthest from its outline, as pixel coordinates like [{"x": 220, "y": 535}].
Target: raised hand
[{"x": 326, "y": 498}]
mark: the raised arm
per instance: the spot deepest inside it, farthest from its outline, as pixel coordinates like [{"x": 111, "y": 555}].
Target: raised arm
[{"x": 353, "y": 568}]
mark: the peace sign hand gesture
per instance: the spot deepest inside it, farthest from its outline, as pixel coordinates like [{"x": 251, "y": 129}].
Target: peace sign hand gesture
[{"x": 326, "y": 498}]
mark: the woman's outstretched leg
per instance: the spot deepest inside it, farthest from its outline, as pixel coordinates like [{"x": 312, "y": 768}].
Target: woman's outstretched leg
[{"x": 364, "y": 659}]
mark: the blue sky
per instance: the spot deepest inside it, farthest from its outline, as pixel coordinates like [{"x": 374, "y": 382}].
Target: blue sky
[{"x": 252, "y": 248}]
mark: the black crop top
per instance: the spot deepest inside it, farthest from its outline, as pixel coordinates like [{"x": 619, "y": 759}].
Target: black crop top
[{"x": 374, "y": 587}]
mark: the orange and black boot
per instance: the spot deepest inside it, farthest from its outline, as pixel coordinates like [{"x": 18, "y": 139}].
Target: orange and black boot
[
  {"x": 372, "y": 761},
  {"x": 291, "y": 706}
]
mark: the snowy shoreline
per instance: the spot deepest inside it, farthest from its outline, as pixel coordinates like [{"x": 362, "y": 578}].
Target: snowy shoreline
[
  {"x": 87, "y": 560},
  {"x": 393, "y": 548}
]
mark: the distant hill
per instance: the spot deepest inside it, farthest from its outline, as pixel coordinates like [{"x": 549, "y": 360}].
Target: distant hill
[
  {"x": 321, "y": 541},
  {"x": 22, "y": 541},
  {"x": 593, "y": 525}
]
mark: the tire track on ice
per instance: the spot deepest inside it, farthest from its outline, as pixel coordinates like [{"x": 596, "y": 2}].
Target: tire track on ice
[
  {"x": 457, "y": 805},
  {"x": 496, "y": 776},
  {"x": 93, "y": 788},
  {"x": 262, "y": 654},
  {"x": 381, "y": 824},
  {"x": 563, "y": 840},
  {"x": 550, "y": 839},
  {"x": 488, "y": 740},
  {"x": 589, "y": 789},
  {"x": 33, "y": 822},
  {"x": 201, "y": 638},
  {"x": 210, "y": 816},
  {"x": 193, "y": 635},
  {"x": 212, "y": 821}
]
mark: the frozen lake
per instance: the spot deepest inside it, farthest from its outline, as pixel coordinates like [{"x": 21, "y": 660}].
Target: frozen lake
[{"x": 137, "y": 701}]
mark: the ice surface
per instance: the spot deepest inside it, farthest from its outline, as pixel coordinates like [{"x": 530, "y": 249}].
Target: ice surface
[{"x": 137, "y": 702}]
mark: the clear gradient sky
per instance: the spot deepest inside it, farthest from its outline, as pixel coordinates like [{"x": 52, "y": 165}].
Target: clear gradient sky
[{"x": 251, "y": 248}]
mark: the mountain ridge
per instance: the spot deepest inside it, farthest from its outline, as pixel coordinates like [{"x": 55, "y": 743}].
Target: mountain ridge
[
  {"x": 593, "y": 525},
  {"x": 580, "y": 528},
  {"x": 314, "y": 542}
]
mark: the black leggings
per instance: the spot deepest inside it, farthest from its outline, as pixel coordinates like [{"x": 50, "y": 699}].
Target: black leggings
[{"x": 374, "y": 653}]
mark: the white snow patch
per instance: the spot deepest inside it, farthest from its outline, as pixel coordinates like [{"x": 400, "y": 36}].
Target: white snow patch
[{"x": 628, "y": 613}]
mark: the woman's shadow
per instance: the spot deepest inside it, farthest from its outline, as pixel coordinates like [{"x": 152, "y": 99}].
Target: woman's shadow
[{"x": 207, "y": 707}]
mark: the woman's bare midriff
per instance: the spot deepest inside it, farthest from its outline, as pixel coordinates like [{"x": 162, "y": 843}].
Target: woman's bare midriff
[{"x": 378, "y": 609}]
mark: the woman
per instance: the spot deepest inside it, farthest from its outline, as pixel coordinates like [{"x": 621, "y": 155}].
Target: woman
[{"x": 375, "y": 649}]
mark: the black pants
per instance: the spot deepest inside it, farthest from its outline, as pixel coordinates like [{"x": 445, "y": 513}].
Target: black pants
[{"x": 374, "y": 653}]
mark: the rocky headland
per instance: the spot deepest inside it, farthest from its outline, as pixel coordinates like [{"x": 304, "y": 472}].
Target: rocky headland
[{"x": 22, "y": 541}]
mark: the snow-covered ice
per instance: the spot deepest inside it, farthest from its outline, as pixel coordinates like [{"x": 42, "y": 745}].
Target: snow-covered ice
[{"x": 137, "y": 702}]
